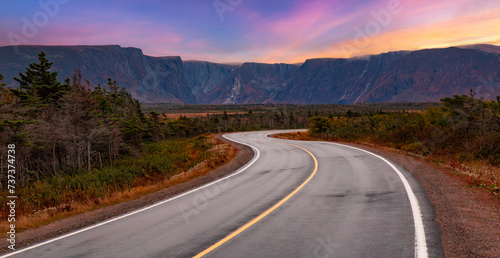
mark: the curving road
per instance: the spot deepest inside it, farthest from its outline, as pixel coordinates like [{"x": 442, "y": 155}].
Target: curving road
[{"x": 293, "y": 199}]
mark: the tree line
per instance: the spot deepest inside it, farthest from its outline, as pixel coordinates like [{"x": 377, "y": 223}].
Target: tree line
[
  {"x": 463, "y": 126},
  {"x": 67, "y": 127}
]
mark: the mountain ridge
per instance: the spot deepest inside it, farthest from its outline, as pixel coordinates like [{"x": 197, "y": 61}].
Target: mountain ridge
[{"x": 397, "y": 76}]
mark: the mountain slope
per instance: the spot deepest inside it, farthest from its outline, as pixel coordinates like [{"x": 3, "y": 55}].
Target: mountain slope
[
  {"x": 252, "y": 83},
  {"x": 203, "y": 77},
  {"x": 425, "y": 75},
  {"x": 150, "y": 79},
  {"x": 329, "y": 80},
  {"x": 428, "y": 75},
  {"x": 408, "y": 76}
]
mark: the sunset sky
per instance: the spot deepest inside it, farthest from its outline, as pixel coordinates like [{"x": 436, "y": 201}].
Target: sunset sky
[{"x": 253, "y": 30}]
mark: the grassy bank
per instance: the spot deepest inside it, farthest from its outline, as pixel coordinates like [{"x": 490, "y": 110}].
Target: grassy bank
[{"x": 160, "y": 165}]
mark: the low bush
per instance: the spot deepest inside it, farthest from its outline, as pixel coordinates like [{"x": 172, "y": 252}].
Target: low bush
[{"x": 157, "y": 161}]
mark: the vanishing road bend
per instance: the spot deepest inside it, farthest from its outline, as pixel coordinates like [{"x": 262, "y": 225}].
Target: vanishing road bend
[{"x": 293, "y": 199}]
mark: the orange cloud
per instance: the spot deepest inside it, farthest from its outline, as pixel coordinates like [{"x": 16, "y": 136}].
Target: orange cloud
[
  {"x": 468, "y": 29},
  {"x": 458, "y": 24}
]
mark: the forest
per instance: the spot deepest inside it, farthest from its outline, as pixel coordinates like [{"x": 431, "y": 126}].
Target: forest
[
  {"x": 77, "y": 143},
  {"x": 61, "y": 128}
]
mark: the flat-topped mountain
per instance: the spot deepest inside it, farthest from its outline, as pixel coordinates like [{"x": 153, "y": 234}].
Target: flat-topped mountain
[
  {"x": 408, "y": 76},
  {"x": 150, "y": 79}
]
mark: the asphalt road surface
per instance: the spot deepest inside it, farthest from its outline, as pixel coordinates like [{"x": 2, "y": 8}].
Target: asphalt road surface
[{"x": 293, "y": 199}]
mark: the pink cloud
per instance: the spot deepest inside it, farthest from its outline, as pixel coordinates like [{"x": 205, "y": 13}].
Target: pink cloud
[
  {"x": 280, "y": 36},
  {"x": 310, "y": 29},
  {"x": 419, "y": 24}
]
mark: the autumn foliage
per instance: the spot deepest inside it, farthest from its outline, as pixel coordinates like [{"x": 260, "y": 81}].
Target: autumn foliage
[{"x": 462, "y": 131}]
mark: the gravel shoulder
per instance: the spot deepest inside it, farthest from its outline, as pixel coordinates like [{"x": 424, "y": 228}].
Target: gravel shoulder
[
  {"x": 63, "y": 226},
  {"x": 469, "y": 218}
]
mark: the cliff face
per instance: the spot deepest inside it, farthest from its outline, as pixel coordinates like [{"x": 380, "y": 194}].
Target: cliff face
[
  {"x": 428, "y": 75},
  {"x": 203, "y": 77},
  {"x": 341, "y": 81},
  {"x": 252, "y": 83},
  {"x": 149, "y": 79},
  {"x": 425, "y": 75}
]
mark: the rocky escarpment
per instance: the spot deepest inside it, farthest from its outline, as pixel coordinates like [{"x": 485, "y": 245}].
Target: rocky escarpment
[
  {"x": 330, "y": 80},
  {"x": 252, "y": 83},
  {"x": 418, "y": 76},
  {"x": 411, "y": 76},
  {"x": 431, "y": 74},
  {"x": 149, "y": 79},
  {"x": 203, "y": 77}
]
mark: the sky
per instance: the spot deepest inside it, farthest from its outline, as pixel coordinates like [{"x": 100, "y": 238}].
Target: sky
[{"x": 277, "y": 31}]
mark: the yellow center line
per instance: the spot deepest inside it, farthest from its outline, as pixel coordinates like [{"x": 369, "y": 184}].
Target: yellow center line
[{"x": 261, "y": 216}]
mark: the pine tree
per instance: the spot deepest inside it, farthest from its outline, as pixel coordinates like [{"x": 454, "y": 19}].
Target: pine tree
[
  {"x": 5, "y": 95},
  {"x": 39, "y": 83},
  {"x": 2, "y": 84}
]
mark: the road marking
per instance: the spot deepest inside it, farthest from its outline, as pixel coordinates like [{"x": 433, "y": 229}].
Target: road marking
[
  {"x": 255, "y": 158},
  {"x": 420, "y": 242},
  {"x": 267, "y": 212}
]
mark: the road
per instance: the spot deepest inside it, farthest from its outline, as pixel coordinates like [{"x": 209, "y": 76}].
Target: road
[{"x": 293, "y": 199}]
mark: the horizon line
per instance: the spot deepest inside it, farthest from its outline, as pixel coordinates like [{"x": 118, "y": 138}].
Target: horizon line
[{"x": 239, "y": 63}]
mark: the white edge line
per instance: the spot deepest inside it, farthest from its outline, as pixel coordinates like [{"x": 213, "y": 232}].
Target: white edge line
[
  {"x": 420, "y": 242},
  {"x": 255, "y": 158}
]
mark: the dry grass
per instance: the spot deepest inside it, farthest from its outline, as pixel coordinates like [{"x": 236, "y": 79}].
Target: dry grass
[
  {"x": 194, "y": 115},
  {"x": 304, "y": 136},
  {"x": 221, "y": 153},
  {"x": 478, "y": 173}
]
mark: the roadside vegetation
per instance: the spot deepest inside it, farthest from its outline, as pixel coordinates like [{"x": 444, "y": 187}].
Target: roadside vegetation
[
  {"x": 161, "y": 165},
  {"x": 463, "y": 133},
  {"x": 82, "y": 146}
]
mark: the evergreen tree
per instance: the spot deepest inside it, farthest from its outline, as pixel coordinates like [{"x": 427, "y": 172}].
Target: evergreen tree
[
  {"x": 2, "y": 84},
  {"x": 39, "y": 83},
  {"x": 5, "y": 95}
]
